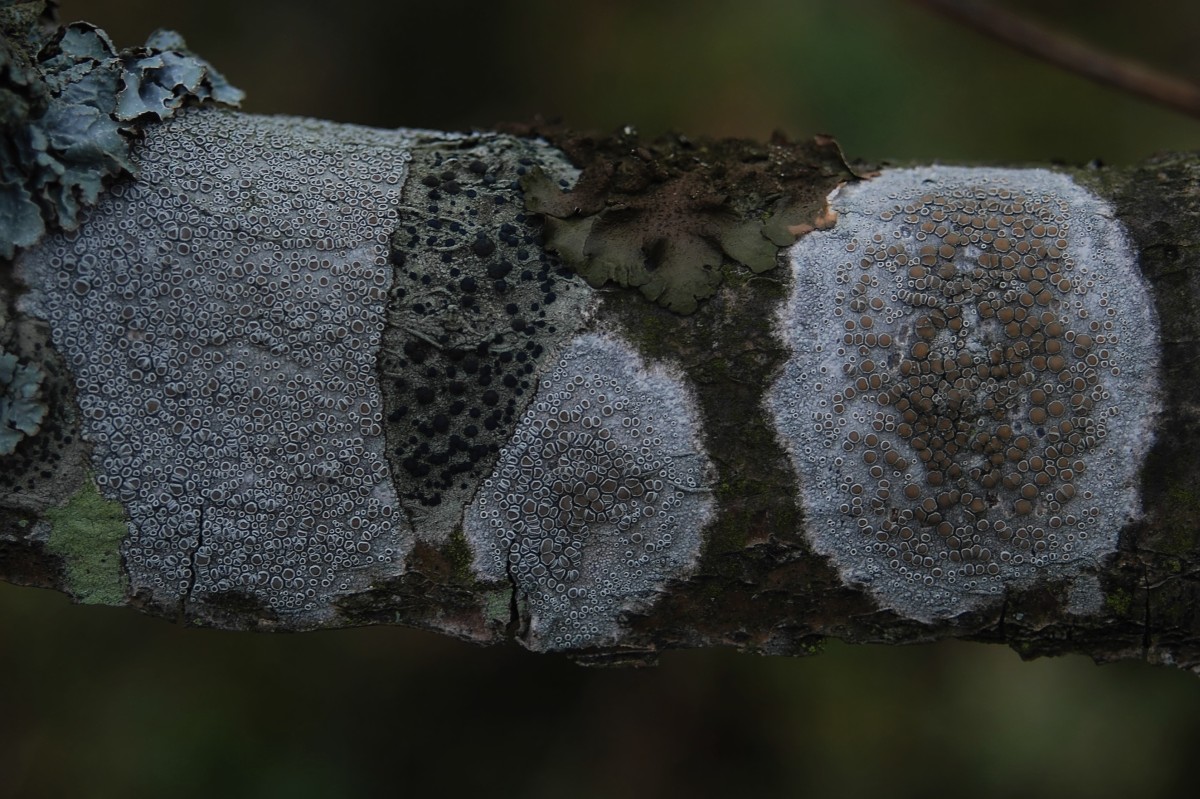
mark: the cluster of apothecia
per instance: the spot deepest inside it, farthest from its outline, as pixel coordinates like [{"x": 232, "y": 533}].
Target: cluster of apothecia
[
  {"x": 222, "y": 315},
  {"x": 599, "y": 498},
  {"x": 971, "y": 386}
]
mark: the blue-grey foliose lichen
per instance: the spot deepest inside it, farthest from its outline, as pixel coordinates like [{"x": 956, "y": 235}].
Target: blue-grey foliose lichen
[
  {"x": 222, "y": 315},
  {"x": 600, "y": 497},
  {"x": 972, "y": 386},
  {"x": 71, "y": 106},
  {"x": 21, "y": 406}
]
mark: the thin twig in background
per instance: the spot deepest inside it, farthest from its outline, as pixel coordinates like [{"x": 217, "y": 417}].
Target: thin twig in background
[{"x": 1071, "y": 54}]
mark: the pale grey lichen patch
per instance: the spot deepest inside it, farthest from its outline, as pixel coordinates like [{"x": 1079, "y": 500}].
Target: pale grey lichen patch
[
  {"x": 477, "y": 309},
  {"x": 222, "y": 316},
  {"x": 21, "y": 406},
  {"x": 972, "y": 384},
  {"x": 600, "y": 497},
  {"x": 70, "y": 114}
]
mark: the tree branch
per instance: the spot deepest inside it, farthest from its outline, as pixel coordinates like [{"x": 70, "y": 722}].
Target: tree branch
[
  {"x": 1071, "y": 54},
  {"x": 608, "y": 396}
]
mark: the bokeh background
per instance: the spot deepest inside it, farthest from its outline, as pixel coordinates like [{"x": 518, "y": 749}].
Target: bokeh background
[{"x": 97, "y": 702}]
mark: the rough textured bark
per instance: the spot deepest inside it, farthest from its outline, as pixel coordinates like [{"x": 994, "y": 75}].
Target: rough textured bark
[{"x": 686, "y": 242}]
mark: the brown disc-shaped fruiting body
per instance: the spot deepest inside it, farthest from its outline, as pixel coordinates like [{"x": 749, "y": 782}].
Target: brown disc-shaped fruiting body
[{"x": 974, "y": 369}]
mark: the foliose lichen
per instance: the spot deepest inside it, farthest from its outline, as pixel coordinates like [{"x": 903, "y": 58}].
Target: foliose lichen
[
  {"x": 667, "y": 216},
  {"x": 972, "y": 387},
  {"x": 21, "y": 406},
  {"x": 600, "y": 497},
  {"x": 87, "y": 533},
  {"x": 47, "y": 463},
  {"x": 72, "y": 103},
  {"x": 222, "y": 316}
]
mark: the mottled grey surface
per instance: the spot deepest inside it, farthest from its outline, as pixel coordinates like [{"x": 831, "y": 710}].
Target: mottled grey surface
[
  {"x": 599, "y": 499},
  {"x": 477, "y": 309},
  {"x": 972, "y": 385},
  {"x": 222, "y": 316}
]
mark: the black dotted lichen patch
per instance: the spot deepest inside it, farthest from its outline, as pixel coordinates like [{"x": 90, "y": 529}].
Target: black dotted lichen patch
[
  {"x": 668, "y": 216},
  {"x": 476, "y": 307}
]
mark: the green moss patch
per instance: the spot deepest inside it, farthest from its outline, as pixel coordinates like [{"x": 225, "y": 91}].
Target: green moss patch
[{"x": 87, "y": 534}]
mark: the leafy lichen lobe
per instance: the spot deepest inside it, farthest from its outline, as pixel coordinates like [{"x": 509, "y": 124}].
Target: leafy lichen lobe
[
  {"x": 21, "y": 406},
  {"x": 71, "y": 106},
  {"x": 670, "y": 216}
]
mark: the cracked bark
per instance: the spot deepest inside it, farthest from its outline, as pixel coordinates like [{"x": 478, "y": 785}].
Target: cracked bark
[{"x": 759, "y": 587}]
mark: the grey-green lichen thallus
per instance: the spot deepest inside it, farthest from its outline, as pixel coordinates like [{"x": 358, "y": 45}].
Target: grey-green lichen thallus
[{"x": 972, "y": 386}]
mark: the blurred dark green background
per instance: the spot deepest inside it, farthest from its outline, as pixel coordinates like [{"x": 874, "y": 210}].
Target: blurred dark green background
[{"x": 96, "y": 702}]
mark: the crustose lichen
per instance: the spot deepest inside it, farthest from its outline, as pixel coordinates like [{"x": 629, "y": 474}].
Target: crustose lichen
[
  {"x": 972, "y": 383},
  {"x": 599, "y": 498}
]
